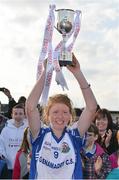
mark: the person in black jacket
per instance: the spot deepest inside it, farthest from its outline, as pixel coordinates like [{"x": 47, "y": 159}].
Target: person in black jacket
[
  {"x": 12, "y": 102},
  {"x": 3, "y": 121}
]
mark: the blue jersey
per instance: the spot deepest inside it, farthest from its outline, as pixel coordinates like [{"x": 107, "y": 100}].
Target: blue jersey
[{"x": 54, "y": 158}]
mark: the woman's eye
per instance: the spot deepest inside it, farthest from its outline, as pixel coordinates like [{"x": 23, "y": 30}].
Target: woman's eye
[
  {"x": 55, "y": 112},
  {"x": 65, "y": 112}
]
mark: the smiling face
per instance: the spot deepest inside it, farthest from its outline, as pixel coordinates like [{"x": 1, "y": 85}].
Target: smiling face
[
  {"x": 58, "y": 113},
  {"x": 18, "y": 114},
  {"x": 102, "y": 123},
  {"x": 59, "y": 116}
]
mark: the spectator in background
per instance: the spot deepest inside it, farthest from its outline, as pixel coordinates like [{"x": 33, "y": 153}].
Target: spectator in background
[
  {"x": 78, "y": 112},
  {"x": 11, "y": 137},
  {"x": 3, "y": 168},
  {"x": 12, "y": 102},
  {"x": 114, "y": 174},
  {"x": 104, "y": 123},
  {"x": 22, "y": 100},
  {"x": 115, "y": 156},
  {"x": 28, "y": 166},
  {"x": 3, "y": 121},
  {"x": 96, "y": 164},
  {"x": 20, "y": 166},
  {"x": 117, "y": 122}
]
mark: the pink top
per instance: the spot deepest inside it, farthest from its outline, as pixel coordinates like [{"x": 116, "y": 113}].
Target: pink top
[{"x": 113, "y": 158}]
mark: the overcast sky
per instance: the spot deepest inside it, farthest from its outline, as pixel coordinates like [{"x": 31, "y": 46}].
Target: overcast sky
[{"x": 22, "y": 24}]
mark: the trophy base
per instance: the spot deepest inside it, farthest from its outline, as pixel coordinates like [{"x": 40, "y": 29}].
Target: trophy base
[
  {"x": 65, "y": 58},
  {"x": 65, "y": 63}
]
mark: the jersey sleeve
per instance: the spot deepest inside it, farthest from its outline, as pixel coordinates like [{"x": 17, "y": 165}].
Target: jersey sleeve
[{"x": 76, "y": 138}]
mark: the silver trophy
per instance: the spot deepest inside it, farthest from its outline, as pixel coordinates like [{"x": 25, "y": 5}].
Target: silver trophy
[{"x": 65, "y": 18}]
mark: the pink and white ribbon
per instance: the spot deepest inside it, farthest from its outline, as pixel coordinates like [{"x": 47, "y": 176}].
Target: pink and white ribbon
[
  {"x": 73, "y": 34},
  {"x": 47, "y": 48},
  {"x": 52, "y": 60}
]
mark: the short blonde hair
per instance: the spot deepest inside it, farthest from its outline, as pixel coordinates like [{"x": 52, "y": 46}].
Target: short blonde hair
[{"x": 58, "y": 98}]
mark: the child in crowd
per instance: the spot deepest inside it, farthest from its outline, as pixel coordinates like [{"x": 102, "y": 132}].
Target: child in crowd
[
  {"x": 20, "y": 166},
  {"x": 11, "y": 137},
  {"x": 26, "y": 176},
  {"x": 96, "y": 164}
]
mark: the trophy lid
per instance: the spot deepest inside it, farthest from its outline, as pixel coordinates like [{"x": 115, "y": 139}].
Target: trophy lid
[{"x": 64, "y": 10}]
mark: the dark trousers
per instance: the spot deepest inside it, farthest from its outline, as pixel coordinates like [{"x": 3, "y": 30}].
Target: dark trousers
[{"x": 6, "y": 174}]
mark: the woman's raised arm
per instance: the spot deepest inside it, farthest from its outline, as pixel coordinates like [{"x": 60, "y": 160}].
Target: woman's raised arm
[{"x": 91, "y": 105}]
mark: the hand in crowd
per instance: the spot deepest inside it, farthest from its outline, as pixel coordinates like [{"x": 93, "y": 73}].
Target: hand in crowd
[
  {"x": 7, "y": 92},
  {"x": 108, "y": 137},
  {"x": 98, "y": 164}
]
